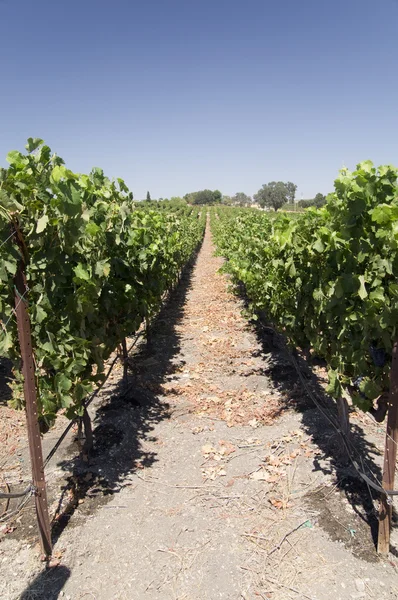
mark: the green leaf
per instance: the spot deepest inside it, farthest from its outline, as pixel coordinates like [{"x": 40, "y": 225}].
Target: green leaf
[
  {"x": 81, "y": 272},
  {"x": 66, "y": 401},
  {"x": 334, "y": 387},
  {"x": 33, "y": 144},
  {"x": 92, "y": 228},
  {"x": 384, "y": 213},
  {"x": 122, "y": 185},
  {"x": 370, "y": 389},
  {"x": 16, "y": 159},
  {"x": 62, "y": 382},
  {"x": 5, "y": 342},
  {"x": 42, "y": 224},
  {"x": 40, "y": 314},
  {"x": 362, "y": 293},
  {"x": 102, "y": 268},
  {"x": 7, "y": 267},
  {"x": 318, "y": 245},
  {"x": 58, "y": 172},
  {"x": 377, "y": 295}
]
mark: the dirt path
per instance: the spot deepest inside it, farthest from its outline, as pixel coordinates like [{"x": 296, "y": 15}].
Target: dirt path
[{"x": 212, "y": 477}]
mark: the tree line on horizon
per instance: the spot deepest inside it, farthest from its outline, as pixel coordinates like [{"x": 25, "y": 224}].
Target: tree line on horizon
[{"x": 273, "y": 195}]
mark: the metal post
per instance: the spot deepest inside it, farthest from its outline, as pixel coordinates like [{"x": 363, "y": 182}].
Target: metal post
[
  {"x": 28, "y": 371},
  {"x": 390, "y": 454}
]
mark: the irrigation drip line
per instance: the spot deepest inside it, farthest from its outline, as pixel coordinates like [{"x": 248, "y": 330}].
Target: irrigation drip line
[
  {"x": 368, "y": 481},
  {"x": 31, "y": 489},
  {"x": 374, "y": 422},
  {"x": 9, "y": 237},
  {"x": 6, "y": 515},
  {"x": 378, "y": 488},
  {"x": 87, "y": 404},
  {"x": 13, "y": 312},
  {"x": 28, "y": 491}
]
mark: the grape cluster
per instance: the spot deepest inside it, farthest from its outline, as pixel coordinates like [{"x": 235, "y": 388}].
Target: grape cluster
[
  {"x": 378, "y": 356},
  {"x": 357, "y": 382}
]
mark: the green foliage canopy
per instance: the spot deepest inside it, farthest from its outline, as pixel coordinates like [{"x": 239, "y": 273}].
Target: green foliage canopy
[
  {"x": 96, "y": 266},
  {"x": 328, "y": 277}
]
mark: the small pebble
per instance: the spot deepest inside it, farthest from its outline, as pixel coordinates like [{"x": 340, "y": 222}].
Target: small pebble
[{"x": 360, "y": 585}]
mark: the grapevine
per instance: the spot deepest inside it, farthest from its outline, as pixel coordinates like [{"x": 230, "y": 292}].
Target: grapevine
[
  {"x": 96, "y": 265},
  {"x": 328, "y": 277}
]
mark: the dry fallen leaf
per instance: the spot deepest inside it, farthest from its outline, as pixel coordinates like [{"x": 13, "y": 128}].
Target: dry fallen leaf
[
  {"x": 276, "y": 503},
  {"x": 279, "y": 504},
  {"x": 54, "y": 563},
  {"x": 213, "y": 472},
  {"x": 196, "y": 430},
  {"x": 259, "y": 475},
  {"x": 295, "y": 453},
  {"x": 272, "y": 460},
  {"x": 226, "y": 447},
  {"x": 214, "y": 399},
  {"x": 208, "y": 449}
]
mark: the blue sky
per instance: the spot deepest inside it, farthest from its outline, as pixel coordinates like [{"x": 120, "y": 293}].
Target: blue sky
[{"x": 176, "y": 95}]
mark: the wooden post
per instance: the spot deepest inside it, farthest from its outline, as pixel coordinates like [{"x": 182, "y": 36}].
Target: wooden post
[
  {"x": 28, "y": 371},
  {"x": 390, "y": 454}
]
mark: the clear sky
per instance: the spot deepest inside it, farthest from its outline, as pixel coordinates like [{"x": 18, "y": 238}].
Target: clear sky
[{"x": 179, "y": 95}]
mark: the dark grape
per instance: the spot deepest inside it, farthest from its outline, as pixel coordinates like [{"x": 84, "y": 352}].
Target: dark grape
[
  {"x": 378, "y": 356},
  {"x": 357, "y": 382}
]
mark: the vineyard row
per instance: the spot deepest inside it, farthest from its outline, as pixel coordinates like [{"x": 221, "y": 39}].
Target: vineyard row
[
  {"x": 327, "y": 277},
  {"x": 96, "y": 267}
]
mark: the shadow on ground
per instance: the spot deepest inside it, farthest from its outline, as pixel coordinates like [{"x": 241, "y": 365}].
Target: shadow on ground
[
  {"x": 125, "y": 419},
  {"x": 47, "y": 585},
  {"x": 361, "y": 538},
  {"x": 5, "y": 379},
  {"x": 122, "y": 424}
]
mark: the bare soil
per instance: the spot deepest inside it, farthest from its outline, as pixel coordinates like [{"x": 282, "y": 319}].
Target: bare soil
[{"x": 213, "y": 475}]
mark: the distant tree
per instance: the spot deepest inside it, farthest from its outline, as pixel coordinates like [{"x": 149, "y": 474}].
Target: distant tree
[
  {"x": 241, "y": 199},
  {"x": 272, "y": 195},
  {"x": 217, "y": 196},
  {"x": 204, "y": 197},
  {"x": 306, "y": 203},
  {"x": 319, "y": 200},
  {"x": 148, "y": 196},
  {"x": 291, "y": 191},
  {"x": 226, "y": 200}
]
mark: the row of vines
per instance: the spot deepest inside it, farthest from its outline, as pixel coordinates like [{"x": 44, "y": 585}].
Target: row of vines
[
  {"x": 97, "y": 265},
  {"x": 328, "y": 277}
]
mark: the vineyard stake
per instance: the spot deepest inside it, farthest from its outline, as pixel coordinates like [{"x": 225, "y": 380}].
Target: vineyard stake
[
  {"x": 28, "y": 371},
  {"x": 390, "y": 454}
]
